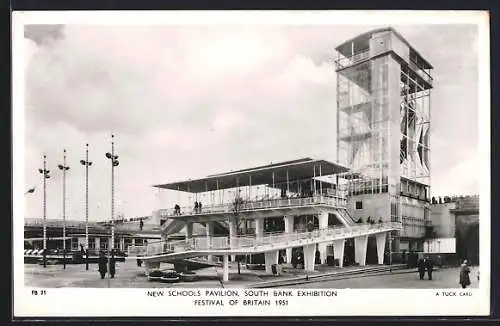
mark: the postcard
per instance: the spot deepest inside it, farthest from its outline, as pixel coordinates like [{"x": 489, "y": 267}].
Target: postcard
[{"x": 251, "y": 163}]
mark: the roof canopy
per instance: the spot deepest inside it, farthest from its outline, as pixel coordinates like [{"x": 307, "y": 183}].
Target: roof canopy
[{"x": 297, "y": 169}]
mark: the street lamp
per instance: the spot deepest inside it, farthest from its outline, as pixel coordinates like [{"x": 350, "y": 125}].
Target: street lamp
[
  {"x": 114, "y": 162},
  {"x": 46, "y": 175},
  {"x": 63, "y": 167},
  {"x": 86, "y": 163}
]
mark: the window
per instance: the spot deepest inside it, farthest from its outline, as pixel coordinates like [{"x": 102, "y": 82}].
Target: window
[
  {"x": 92, "y": 243},
  {"x": 359, "y": 205},
  {"x": 103, "y": 243}
]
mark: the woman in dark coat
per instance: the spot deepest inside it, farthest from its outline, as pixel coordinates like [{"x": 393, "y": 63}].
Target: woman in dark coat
[
  {"x": 103, "y": 268},
  {"x": 464, "y": 275}
]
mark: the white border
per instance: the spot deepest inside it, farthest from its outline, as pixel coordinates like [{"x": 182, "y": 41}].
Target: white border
[{"x": 106, "y": 302}]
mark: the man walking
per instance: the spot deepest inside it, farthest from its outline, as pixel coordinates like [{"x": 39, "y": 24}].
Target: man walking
[
  {"x": 112, "y": 264},
  {"x": 103, "y": 269},
  {"x": 429, "y": 265},
  {"x": 421, "y": 267}
]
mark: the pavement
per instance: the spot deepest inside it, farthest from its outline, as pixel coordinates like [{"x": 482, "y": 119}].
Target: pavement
[{"x": 128, "y": 275}]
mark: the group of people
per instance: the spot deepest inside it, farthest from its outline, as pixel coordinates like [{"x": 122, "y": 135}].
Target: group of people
[
  {"x": 425, "y": 264},
  {"x": 103, "y": 264},
  {"x": 197, "y": 207}
]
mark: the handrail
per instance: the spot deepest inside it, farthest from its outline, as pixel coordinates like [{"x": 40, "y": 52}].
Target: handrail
[
  {"x": 356, "y": 57},
  {"x": 336, "y": 201},
  {"x": 239, "y": 242}
]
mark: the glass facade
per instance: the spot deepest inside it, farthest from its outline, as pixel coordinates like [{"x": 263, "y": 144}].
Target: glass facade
[{"x": 383, "y": 124}]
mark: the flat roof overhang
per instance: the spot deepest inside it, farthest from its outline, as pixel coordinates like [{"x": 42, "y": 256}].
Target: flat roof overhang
[{"x": 263, "y": 175}]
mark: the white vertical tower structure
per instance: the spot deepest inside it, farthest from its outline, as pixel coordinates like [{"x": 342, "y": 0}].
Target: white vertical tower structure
[{"x": 383, "y": 130}]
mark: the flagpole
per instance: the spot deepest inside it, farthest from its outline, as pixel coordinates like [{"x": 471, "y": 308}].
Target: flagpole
[{"x": 86, "y": 163}]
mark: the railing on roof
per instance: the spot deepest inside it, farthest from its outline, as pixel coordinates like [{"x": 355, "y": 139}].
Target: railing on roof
[
  {"x": 337, "y": 201},
  {"x": 357, "y": 57},
  {"x": 58, "y": 223},
  {"x": 255, "y": 242}
]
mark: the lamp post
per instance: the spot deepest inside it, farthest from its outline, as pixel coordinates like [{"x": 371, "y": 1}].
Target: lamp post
[
  {"x": 114, "y": 162},
  {"x": 63, "y": 167},
  {"x": 46, "y": 175},
  {"x": 86, "y": 163}
]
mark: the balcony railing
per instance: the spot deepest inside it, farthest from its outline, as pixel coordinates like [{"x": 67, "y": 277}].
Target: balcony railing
[
  {"x": 425, "y": 76},
  {"x": 338, "y": 201},
  {"x": 256, "y": 243},
  {"x": 348, "y": 61}
]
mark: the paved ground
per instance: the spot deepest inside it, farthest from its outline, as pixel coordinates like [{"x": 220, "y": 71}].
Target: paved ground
[
  {"x": 445, "y": 278},
  {"x": 128, "y": 275}
]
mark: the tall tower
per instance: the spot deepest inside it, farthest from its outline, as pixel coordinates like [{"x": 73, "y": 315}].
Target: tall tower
[{"x": 383, "y": 130}]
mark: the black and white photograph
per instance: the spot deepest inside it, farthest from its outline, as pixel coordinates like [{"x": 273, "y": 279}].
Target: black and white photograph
[{"x": 252, "y": 161}]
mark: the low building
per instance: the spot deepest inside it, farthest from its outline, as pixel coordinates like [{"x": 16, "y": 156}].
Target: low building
[
  {"x": 127, "y": 232},
  {"x": 454, "y": 227}
]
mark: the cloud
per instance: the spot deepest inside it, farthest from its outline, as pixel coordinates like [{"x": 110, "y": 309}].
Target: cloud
[{"x": 187, "y": 101}]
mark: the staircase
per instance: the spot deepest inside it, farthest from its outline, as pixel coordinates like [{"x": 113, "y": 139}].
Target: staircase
[
  {"x": 196, "y": 247},
  {"x": 344, "y": 214}
]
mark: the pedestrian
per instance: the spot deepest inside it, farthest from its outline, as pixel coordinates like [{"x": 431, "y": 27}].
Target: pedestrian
[
  {"x": 464, "y": 274},
  {"x": 112, "y": 264},
  {"x": 429, "y": 265},
  {"x": 196, "y": 207},
  {"x": 421, "y": 268},
  {"x": 199, "y": 207},
  {"x": 102, "y": 265}
]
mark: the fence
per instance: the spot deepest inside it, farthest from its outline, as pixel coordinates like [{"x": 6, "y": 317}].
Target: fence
[{"x": 335, "y": 201}]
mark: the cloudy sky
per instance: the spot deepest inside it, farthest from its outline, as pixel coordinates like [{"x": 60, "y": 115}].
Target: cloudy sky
[{"x": 187, "y": 101}]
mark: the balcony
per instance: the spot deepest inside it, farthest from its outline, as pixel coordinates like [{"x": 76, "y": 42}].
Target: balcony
[
  {"x": 349, "y": 61},
  {"x": 338, "y": 201}
]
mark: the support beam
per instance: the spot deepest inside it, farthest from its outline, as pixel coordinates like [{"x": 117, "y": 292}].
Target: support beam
[
  {"x": 225, "y": 269},
  {"x": 338, "y": 251},
  {"x": 360, "y": 245},
  {"x": 288, "y": 229},
  {"x": 309, "y": 255},
  {"x": 259, "y": 228},
  {"x": 381, "y": 237},
  {"x": 189, "y": 231},
  {"x": 323, "y": 224},
  {"x": 271, "y": 258}
]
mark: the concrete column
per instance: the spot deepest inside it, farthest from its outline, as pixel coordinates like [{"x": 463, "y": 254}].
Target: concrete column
[
  {"x": 209, "y": 229},
  {"x": 259, "y": 227},
  {"x": 381, "y": 237},
  {"x": 338, "y": 251},
  {"x": 225, "y": 269},
  {"x": 323, "y": 224},
  {"x": 309, "y": 255},
  {"x": 271, "y": 258},
  {"x": 189, "y": 231},
  {"x": 360, "y": 245},
  {"x": 288, "y": 229},
  {"x": 122, "y": 244}
]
